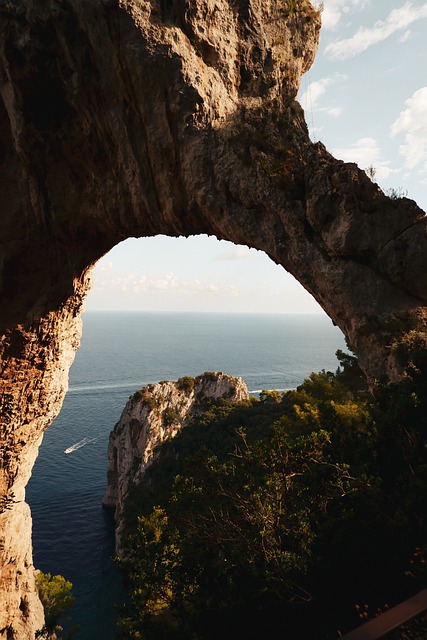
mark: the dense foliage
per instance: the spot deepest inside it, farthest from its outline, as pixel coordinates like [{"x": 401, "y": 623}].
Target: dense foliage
[
  {"x": 293, "y": 509},
  {"x": 57, "y": 599}
]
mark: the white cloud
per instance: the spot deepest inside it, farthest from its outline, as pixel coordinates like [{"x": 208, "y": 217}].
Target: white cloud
[
  {"x": 135, "y": 285},
  {"x": 334, "y": 9},
  {"x": 365, "y": 152},
  {"x": 104, "y": 266},
  {"x": 405, "y": 36},
  {"x": 333, "y": 111},
  {"x": 397, "y": 20},
  {"x": 315, "y": 90},
  {"x": 236, "y": 252},
  {"x": 331, "y": 14},
  {"x": 412, "y": 122}
]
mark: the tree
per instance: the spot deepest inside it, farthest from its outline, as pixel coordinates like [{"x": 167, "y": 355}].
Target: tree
[
  {"x": 236, "y": 532},
  {"x": 316, "y": 496},
  {"x": 57, "y": 599}
]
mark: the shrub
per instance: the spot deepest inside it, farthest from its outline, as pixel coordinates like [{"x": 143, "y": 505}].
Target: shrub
[
  {"x": 396, "y": 193},
  {"x": 209, "y": 376},
  {"x": 186, "y": 383},
  {"x": 57, "y": 599},
  {"x": 256, "y": 507},
  {"x": 170, "y": 416}
]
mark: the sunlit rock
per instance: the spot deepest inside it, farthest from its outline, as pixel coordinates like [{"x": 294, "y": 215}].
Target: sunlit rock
[
  {"x": 123, "y": 118},
  {"x": 152, "y": 416}
]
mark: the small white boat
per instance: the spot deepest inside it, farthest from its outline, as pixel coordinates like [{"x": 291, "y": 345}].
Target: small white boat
[{"x": 79, "y": 445}]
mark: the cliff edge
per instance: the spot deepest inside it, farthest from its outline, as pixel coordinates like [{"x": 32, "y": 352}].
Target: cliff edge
[
  {"x": 151, "y": 416},
  {"x": 132, "y": 118}
]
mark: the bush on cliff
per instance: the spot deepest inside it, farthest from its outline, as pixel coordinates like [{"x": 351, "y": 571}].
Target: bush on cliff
[
  {"x": 293, "y": 508},
  {"x": 57, "y": 600}
]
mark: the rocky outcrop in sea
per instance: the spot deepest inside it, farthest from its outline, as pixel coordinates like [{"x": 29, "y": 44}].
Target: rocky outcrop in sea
[
  {"x": 152, "y": 416},
  {"x": 136, "y": 118}
]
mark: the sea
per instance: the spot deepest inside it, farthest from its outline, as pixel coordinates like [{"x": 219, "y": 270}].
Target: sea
[{"x": 120, "y": 353}]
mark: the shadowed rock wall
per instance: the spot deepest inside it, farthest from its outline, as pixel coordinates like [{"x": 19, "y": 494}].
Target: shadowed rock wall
[{"x": 124, "y": 118}]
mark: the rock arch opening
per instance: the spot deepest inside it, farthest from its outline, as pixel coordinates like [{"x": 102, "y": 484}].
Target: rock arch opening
[
  {"x": 122, "y": 352},
  {"x": 149, "y": 131},
  {"x": 194, "y": 274}
]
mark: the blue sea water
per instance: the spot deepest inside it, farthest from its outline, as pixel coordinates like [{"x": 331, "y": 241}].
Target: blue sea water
[{"x": 120, "y": 353}]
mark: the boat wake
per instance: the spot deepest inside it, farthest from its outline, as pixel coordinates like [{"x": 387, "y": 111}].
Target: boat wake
[
  {"x": 104, "y": 387},
  {"x": 79, "y": 445}
]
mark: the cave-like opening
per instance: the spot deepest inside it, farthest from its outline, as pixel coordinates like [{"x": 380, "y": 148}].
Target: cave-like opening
[
  {"x": 186, "y": 306},
  {"x": 136, "y": 151}
]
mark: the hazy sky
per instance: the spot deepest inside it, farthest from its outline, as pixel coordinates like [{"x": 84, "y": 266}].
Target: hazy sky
[{"x": 365, "y": 98}]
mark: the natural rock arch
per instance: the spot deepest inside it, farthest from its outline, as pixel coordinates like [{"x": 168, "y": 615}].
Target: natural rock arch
[{"x": 127, "y": 118}]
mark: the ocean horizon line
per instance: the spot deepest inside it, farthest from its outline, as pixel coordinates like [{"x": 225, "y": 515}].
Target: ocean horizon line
[{"x": 234, "y": 313}]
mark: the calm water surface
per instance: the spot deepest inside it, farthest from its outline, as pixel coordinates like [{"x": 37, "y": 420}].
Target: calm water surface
[{"x": 120, "y": 353}]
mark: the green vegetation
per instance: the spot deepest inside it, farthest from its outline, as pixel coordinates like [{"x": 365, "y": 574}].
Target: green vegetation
[
  {"x": 210, "y": 376},
  {"x": 291, "y": 511},
  {"x": 293, "y": 6},
  {"x": 186, "y": 383},
  {"x": 170, "y": 416},
  {"x": 145, "y": 395},
  {"x": 57, "y": 599}
]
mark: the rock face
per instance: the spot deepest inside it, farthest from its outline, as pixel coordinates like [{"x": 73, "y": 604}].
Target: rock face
[
  {"x": 123, "y": 118},
  {"x": 151, "y": 416},
  {"x": 35, "y": 363}
]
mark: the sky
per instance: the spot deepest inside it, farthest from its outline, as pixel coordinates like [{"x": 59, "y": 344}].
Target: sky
[{"x": 365, "y": 98}]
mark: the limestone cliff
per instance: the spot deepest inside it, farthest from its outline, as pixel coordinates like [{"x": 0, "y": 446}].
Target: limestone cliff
[
  {"x": 179, "y": 118},
  {"x": 35, "y": 364},
  {"x": 123, "y": 118},
  {"x": 151, "y": 416}
]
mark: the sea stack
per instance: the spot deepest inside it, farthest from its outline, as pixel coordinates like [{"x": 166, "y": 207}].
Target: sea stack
[
  {"x": 128, "y": 119},
  {"x": 151, "y": 416}
]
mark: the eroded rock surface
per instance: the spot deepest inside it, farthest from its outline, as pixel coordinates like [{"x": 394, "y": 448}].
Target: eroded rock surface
[
  {"x": 124, "y": 118},
  {"x": 35, "y": 364},
  {"x": 151, "y": 416}
]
